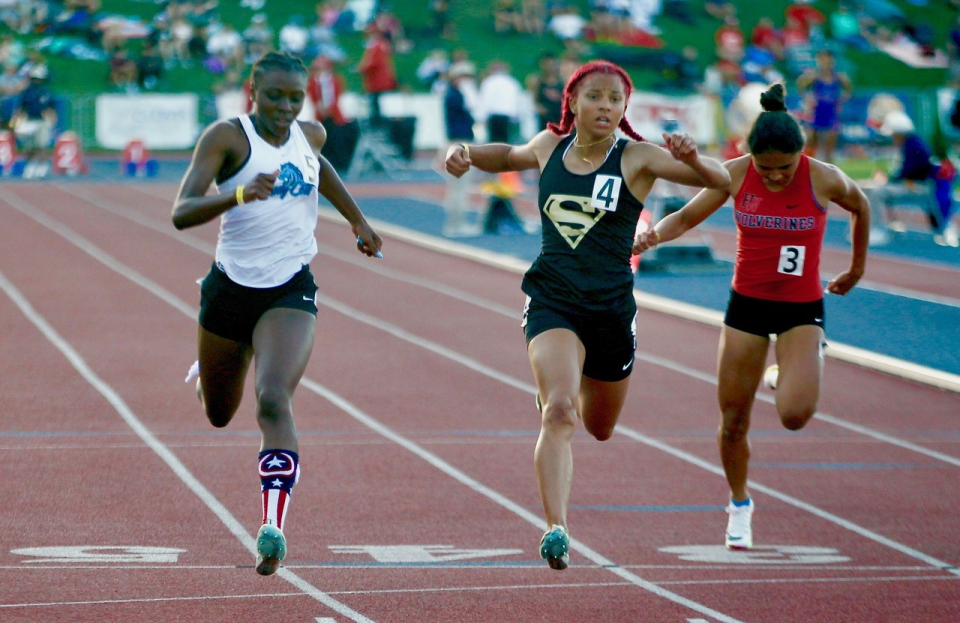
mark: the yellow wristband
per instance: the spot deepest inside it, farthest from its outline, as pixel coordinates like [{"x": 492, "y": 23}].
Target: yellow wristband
[
  {"x": 657, "y": 234},
  {"x": 466, "y": 149},
  {"x": 239, "y": 195}
]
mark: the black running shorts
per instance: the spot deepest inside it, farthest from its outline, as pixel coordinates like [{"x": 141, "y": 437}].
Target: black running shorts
[
  {"x": 763, "y": 318},
  {"x": 610, "y": 342},
  {"x": 231, "y": 310}
]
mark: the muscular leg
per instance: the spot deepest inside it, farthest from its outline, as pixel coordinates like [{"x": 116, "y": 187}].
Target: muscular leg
[
  {"x": 740, "y": 366},
  {"x": 557, "y": 359},
  {"x": 282, "y": 341},
  {"x": 223, "y": 367},
  {"x": 600, "y": 405},
  {"x": 801, "y": 366}
]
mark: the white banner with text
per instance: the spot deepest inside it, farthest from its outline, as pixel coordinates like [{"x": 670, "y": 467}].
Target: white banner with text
[{"x": 160, "y": 121}]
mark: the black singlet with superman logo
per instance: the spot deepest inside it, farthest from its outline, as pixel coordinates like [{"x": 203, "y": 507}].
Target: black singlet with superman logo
[{"x": 589, "y": 222}]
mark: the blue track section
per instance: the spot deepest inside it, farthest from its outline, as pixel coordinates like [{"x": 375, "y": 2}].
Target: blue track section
[{"x": 918, "y": 331}]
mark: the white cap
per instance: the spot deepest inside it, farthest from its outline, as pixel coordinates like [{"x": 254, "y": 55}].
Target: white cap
[
  {"x": 896, "y": 122},
  {"x": 39, "y": 71}
]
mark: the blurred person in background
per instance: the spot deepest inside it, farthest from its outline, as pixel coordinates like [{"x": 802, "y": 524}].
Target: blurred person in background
[
  {"x": 294, "y": 36},
  {"x": 458, "y": 101},
  {"x": 547, "y": 89},
  {"x": 918, "y": 177},
  {"x": 325, "y": 86},
  {"x": 12, "y": 85},
  {"x": 499, "y": 102},
  {"x": 377, "y": 71},
  {"x": 123, "y": 71},
  {"x": 149, "y": 66},
  {"x": 34, "y": 122},
  {"x": 258, "y": 37},
  {"x": 824, "y": 91}
]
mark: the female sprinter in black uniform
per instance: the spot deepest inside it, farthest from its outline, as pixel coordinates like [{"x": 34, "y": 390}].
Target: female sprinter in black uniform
[
  {"x": 580, "y": 315},
  {"x": 258, "y": 301}
]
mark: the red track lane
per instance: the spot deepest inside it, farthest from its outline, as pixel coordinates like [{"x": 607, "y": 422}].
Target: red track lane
[{"x": 361, "y": 489}]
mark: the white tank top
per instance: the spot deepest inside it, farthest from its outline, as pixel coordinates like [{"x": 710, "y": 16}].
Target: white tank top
[{"x": 263, "y": 244}]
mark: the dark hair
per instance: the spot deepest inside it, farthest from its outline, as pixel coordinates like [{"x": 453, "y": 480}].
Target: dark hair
[
  {"x": 570, "y": 90},
  {"x": 276, "y": 61},
  {"x": 775, "y": 130}
]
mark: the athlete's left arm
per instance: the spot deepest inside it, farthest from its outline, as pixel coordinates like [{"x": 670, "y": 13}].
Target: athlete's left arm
[
  {"x": 843, "y": 191},
  {"x": 677, "y": 161},
  {"x": 333, "y": 190}
]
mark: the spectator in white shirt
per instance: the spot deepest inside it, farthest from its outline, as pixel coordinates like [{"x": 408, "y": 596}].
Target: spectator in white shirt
[
  {"x": 294, "y": 37},
  {"x": 225, "y": 42},
  {"x": 499, "y": 102}
]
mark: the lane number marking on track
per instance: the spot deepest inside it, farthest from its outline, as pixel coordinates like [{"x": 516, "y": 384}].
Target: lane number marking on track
[
  {"x": 760, "y": 555},
  {"x": 420, "y": 553},
  {"x": 100, "y": 554}
]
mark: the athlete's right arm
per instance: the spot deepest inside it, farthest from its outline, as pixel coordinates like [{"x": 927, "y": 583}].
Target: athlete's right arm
[
  {"x": 220, "y": 143},
  {"x": 499, "y": 157}
]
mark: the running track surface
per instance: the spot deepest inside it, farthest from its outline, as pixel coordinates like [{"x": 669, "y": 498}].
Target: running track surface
[{"x": 418, "y": 501}]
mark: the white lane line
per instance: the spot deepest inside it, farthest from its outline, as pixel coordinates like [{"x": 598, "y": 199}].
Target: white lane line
[
  {"x": 472, "y": 364},
  {"x": 174, "y": 463},
  {"x": 534, "y": 566},
  {"x": 895, "y": 578},
  {"x": 429, "y": 457},
  {"x": 145, "y": 600},
  {"x": 455, "y": 589}
]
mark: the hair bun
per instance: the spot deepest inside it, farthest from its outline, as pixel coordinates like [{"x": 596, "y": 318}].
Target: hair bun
[{"x": 774, "y": 98}]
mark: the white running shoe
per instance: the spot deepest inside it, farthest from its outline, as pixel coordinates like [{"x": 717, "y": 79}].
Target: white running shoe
[
  {"x": 739, "y": 532},
  {"x": 770, "y": 376}
]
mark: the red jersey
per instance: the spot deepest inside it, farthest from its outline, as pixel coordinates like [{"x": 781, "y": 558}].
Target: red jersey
[{"x": 779, "y": 237}]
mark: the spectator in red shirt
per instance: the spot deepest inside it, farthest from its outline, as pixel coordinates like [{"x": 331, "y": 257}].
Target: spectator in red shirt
[
  {"x": 794, "y": 34},
  {"x": 766, "y": 37},
  {"x": 808, "y": 16},
  {"x": 377, "y": 71},
  {"x": 325, "y": 85},
  {"x": 730, "y": 40}
]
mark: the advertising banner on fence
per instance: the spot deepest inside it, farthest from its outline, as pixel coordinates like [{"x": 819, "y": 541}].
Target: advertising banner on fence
[
  {"x": 160, "y": 121},
  {"x": 651, "y": 114}
]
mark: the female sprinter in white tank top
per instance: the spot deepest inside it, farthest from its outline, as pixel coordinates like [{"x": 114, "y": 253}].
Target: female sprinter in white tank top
[{"x": 259, "y": 298}]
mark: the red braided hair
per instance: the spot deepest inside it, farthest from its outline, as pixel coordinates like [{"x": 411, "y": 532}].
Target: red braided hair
[{"x": 570, "y": 91}]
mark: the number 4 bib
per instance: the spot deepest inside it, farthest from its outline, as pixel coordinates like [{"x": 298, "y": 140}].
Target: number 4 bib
[{"x": 606, "y": 193}]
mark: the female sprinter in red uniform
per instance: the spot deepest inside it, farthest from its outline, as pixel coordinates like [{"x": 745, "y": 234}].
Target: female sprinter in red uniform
[
  {"x": 580, "y": 317},
  {"x": 780, "y": 206}
]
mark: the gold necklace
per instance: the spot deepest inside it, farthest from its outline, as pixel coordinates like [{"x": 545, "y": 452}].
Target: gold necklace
[{"x": 603, "y": 140}]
